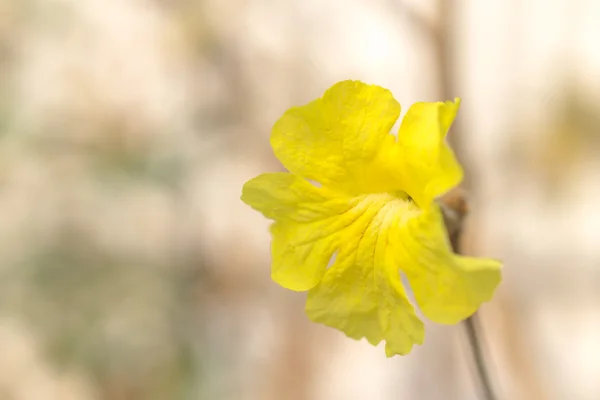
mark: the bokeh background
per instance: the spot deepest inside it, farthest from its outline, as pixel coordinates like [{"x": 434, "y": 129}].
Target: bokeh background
[{"x": 130, "y": 269}]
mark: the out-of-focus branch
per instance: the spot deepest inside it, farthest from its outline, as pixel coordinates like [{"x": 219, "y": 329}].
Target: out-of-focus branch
[
  {"x": 426, "y": 26},
  {"x": 454, "y": 205}
]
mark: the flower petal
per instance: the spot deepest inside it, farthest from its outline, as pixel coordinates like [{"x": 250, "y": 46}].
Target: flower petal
[
  {"x": 306, "y": 232},
  {"x": 281, "y": 196},
  {"x": 361, "y": 294},
  {"x": 429, "y": 165},
  {"x": 332, "y": 140},
  {"x": 448, "y": 287}
]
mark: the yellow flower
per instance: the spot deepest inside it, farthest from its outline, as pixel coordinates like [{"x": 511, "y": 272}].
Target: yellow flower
[{"x": 357, "y": 208}]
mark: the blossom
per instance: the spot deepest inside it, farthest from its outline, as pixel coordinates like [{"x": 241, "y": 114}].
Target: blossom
[{"x": 357, "y": 208}]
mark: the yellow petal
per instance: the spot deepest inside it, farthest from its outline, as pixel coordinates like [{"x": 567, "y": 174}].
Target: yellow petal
[
  {"x": 306, "y": 232},
  {"x": 281, "y": 195},
  {"x": 448, "y": 288},
  {"x": 332, "y": 140},
  {"x": 361, "y": 294},
  {"x": 429, "y": 165}
]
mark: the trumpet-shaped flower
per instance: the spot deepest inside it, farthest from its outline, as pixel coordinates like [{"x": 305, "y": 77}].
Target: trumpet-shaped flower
[{"x": 357, "y": 208}]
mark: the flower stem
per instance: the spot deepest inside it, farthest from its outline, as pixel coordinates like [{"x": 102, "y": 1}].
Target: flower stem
[
  {"x": 455, "y": 209},
  {"x": 473, "y": 336}
]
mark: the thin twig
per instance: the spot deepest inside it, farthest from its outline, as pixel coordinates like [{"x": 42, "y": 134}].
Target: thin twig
[
  {"x": 455, "y": 209},
  {"x": 472, "y": 328}
]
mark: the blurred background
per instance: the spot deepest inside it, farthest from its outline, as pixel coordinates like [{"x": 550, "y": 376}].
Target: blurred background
[{"x": 130, "y": 269}]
